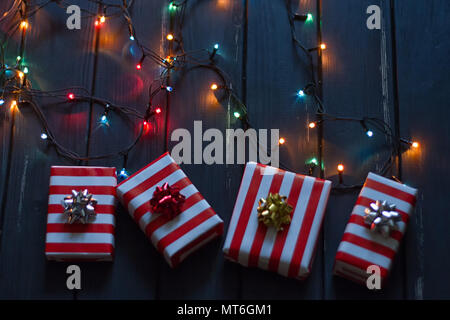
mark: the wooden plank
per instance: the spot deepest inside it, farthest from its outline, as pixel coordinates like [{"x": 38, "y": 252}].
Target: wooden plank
[
  {"x": 423, "y": 47},
  {"x": 10, "y": 45},
  {"x": 118, "y": 81},
  {"x": 205, "y": 275},
  {"x": 57, "y": 58},
  {"x": 277, "y": 70},
  {"x": 355, "y": 84}
]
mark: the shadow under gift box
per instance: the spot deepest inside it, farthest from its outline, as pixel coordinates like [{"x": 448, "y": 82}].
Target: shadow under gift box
[
  {"x": 176, "y": 237},
  {"x": 360, "y": 247},
  {"x": 93, "y": 241},
  {"x": 290, "y": 251}
]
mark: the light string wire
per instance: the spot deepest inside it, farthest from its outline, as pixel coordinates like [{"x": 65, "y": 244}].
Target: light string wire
[
  {"x": 375, "y": 123},
  {"x": 22, "y": 88},
  {"x": 181, "y": 60}
]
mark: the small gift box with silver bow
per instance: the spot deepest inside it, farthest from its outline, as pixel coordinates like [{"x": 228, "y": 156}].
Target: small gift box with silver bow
[
  {"x": 80, "y": 220},
  {"x": 276, "y": 220},
  {"x": 376, "y": 227}
]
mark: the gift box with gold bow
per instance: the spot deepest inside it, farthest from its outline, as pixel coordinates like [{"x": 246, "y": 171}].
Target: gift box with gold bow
[
  {"x": 376, "y": 226},
  {"x": 80, "y": 220},
  {"x": 276, "y": 220},
  {"x": 169, "y": 209}
]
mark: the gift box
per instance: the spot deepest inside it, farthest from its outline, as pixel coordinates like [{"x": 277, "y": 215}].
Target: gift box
[
  {"x": 89, "y": 239},
  {"x": 289, "y": 251},
  {"x": 175, "y": 236},
  {"x": 367, "y": 241}
]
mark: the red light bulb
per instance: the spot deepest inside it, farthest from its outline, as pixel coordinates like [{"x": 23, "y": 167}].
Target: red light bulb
[
  {"x": 71, "y": 96},
  {"x": 146, "y": 126},
  {"x": 158, "y": 110}
]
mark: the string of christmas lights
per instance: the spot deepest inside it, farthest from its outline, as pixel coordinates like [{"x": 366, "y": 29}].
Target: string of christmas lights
[
  {"x": 368, "y": 124},
  {"x": 18, "y": 88}
]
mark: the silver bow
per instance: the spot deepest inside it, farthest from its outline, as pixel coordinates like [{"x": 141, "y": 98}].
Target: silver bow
[
  {"x": 382, "y": 217},
  {"x": 79, "y": 206}
]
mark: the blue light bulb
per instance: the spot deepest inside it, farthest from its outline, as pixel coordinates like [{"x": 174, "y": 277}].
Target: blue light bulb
[
  {"x": 216, "y": 46},
  {"x": 301, "y": 93},
  {"x": 2, "y": 102},
  {"x": 131, "y": 38},
  {"x": 44, "y": 136},
  {"x": 104, "y": 120},
  {"x": 369, "y": 133},
  {"x": 123, "y": 174},
  {"x": 170, "y": 89}
]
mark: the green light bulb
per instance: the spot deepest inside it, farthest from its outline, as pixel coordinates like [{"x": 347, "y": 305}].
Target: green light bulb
[
  {"x": 313, "y": 161},
  {"x": 172, "y": 6}
]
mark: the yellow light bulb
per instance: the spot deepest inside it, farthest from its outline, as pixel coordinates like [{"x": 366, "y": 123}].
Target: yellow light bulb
[
  {"x": 102, "y": 19},
  {"x": 312, "y": 125},
  {"x": 214, "y": 86},
  {"x": 13, "y": 104},
  {"x": 340, "y": 167},
  {"x": 24, "y": 24},
  {"x": 323, "y": 46},
  {"x": 282, "y": 140},
  {"x": 170, "y": 37},
  {"x": 415, "y": 145},
  {"x": 21, "y": 74}
]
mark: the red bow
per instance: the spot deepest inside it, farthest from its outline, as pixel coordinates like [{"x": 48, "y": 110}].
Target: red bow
[{"x": 167, "y": 200}]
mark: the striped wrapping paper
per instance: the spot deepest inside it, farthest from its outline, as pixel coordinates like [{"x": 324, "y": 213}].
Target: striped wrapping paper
[
  {"x": 93, "y": 241},
  {"x": 196, "y": 225},
  {"x": 360, "y": 247},
  {"x": 290, "y": 251}
]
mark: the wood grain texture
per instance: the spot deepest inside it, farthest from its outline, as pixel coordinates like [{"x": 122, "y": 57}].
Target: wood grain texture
[
  {"x": 353, "y": 86},
  {"x": 266, "y": 71},
  {"x": 57, "y": 58},
  {"x": 205, "y": 274},
  {"x": 117, "y": 80},
  {"x": 11, "y": 47},
  {"x": 423, "y": 46},
  {"x": 276, "y": 72}
]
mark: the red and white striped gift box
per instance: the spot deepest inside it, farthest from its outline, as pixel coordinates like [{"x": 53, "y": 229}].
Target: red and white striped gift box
[
  {"x": 93, "y": 241},
  {"x": 360, "y": 247},
  {"x": 289, "y": 252},
  {"x": 175, "y": 238}
]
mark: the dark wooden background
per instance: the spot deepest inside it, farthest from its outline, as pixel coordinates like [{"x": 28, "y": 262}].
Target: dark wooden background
[{"x": 402, "y": 69}]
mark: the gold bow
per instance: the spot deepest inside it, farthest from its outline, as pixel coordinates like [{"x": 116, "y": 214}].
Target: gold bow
[{"x": 274, "y": 211}]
